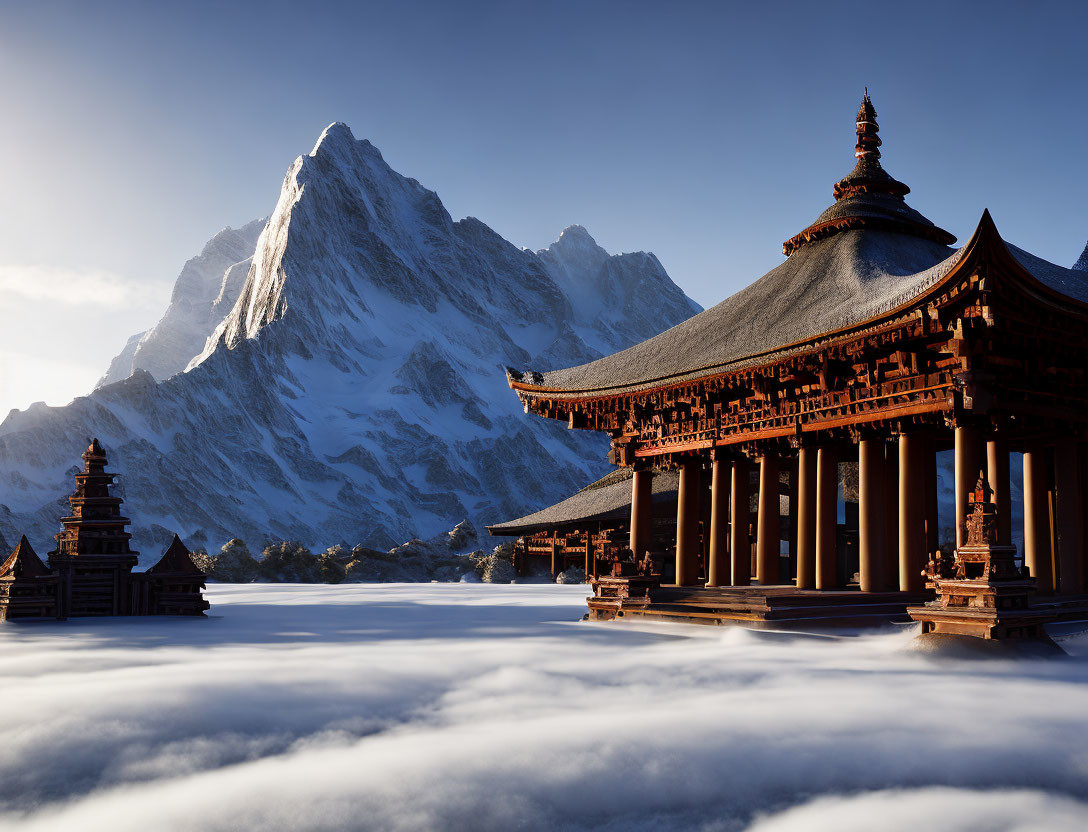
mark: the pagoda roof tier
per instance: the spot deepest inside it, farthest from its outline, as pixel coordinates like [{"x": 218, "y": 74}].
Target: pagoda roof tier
[
  {"x": 609, "y": 498},
  {"x": 103, "y": 521},
  {"x": 23, "y": 563},
  {"x": 175, "y": 561},
  {"x": 831, "y": 284}
]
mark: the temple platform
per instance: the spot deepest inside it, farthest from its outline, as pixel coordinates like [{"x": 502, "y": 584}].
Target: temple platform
[{"x": 776, "y": 606}]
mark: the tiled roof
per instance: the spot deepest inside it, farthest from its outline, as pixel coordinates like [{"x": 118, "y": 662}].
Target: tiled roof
[{"x": 609, "y": 498}]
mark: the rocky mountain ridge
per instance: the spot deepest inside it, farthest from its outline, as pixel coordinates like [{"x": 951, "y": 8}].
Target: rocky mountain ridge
[
  {"x": 354, "y": 392},
  {"x": 204, "y": 292}
]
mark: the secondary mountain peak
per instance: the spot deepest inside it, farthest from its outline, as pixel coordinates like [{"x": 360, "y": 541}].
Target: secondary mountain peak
[
  {"x": 203, "y": 293},
  {"x": 1082, "y": 262}
]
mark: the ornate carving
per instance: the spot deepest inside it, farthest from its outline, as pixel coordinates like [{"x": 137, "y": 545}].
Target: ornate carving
[{"x": 982, "y": 521}]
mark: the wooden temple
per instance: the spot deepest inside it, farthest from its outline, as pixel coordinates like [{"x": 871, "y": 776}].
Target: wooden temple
[
  {"x": 875, "y": 343},
  {"x": 90, "y": 571}
]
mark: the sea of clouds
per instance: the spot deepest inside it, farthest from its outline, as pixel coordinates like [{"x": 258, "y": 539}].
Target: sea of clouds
[{"x": 487, "y": 707}]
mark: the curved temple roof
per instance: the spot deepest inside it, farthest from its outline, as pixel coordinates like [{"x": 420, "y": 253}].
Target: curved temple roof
[
  {"x": 836, "y": 275},
  {"x": 606, "y": 499}
]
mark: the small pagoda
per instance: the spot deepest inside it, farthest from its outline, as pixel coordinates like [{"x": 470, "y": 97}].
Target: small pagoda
[
  {"x": 90, "y": 571},
  {"x": 172, "y": 586},
  {"x": 982, "y": 591},
  {"x": 27, "y": 588},
  {"x": 93, "y": 555}
]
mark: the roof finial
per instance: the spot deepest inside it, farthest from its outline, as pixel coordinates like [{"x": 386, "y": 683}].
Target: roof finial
[
  {"x": 868, "y": 144},
  {"x": 868, "y": 197}
]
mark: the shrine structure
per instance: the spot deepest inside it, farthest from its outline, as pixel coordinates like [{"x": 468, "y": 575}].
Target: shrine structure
[
  {"x": 90, "y": 571},
  {"x": 875, "y": 342},
  {"x": 982, "y": 591}
]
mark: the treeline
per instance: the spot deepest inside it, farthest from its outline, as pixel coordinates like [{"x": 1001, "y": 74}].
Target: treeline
[{"x": 292, "y": 562}]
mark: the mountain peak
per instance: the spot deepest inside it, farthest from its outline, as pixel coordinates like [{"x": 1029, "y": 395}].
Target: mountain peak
[
  {"x": 336, "y": 134},
  {"x": 575, "y": 238},
  {"x": 1082, "y": 262},
  {"x": 576, "y": 234}
]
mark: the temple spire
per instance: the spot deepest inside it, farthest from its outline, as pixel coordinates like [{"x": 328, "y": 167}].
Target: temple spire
[
  {"x": 868, "y": 146},
  {"x": 868, "y": 197},
  {"x": 868, "y": 176}
]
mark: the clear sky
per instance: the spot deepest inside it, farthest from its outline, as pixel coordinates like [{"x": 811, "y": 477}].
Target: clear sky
[{"x": 705, "y": 132}]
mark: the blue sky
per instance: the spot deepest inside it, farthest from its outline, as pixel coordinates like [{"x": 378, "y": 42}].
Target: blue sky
[{"x": 705, "y": 132}]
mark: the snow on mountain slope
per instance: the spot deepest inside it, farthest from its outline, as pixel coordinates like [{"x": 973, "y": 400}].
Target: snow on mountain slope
[
  {"x": 203, "y": 293},
  {"x": 354, "y": 392},
  {"x": 608, "y": 292},
  {"x": 1082, "y": 261}
]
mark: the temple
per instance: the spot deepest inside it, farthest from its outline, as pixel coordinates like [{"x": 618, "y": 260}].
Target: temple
[
  {"x": 874, "y": 343},
  {"x": 90, "y": 571},
  {"x": 590, "y": 529}
]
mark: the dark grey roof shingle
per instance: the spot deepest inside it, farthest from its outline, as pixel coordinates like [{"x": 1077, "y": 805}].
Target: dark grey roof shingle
[
  {"x": 822, "y": 287},
  {"x": 1070, "y": 282}
]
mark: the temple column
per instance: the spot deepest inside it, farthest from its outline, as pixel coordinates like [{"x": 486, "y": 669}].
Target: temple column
[
  {"x": 641, "y": 511},
  {"x": 555, "y": 558},
  {"x": 1037, "y": 550},
  {"x": 912, "y": 544},
  {"x": 889, "y": 569},
  {"x": 827, "y": 518},
  {"x": 1069, "y": 519},
  {"x": 806, "y": 518},
  {"x": 768, "y": 522},
  {"x": 687, "y": 522},
  {"x": 929, "y": 475},
  {"x": 871, "y": 500},
  {"x": 1082, "y": 464},
  {"x": 718, "y": 554},
  {"x": 968, "y": 467},
  {"x": 739, "y": 518},
  {"x": 791, "y": 524},
  {"x": 1000, "y": 481}
]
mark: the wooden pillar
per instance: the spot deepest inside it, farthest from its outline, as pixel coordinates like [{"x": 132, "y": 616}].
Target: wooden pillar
[
  {"x": 929, "y": 475},
  {"x": 1000, "y": 481},
  {"x": 1037, "y": 551},
  {"x": 739, "y": 518},
  {"x": 1070, "y": 519},
  {"x": 687, "y": 522},
  {"x": 555, "y": 556},
  {"x": 871, "y": 501},
  {"x": 968, "y": 467},
  {"x": 718, "y": 553},
  {"x": 827, "y": 518},
  {"x": 912, "y": 543},
  {"x": 889, "y": 568},
  {"x": 806, "y": 518},
  {"x": 641, "y": 511},
  {"x": 768, "y": 522},
  {"x": 791, "y": 524},
  {"x": 589, "y": 548}
]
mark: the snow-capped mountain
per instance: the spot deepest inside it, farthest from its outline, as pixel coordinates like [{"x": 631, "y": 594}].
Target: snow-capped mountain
[
  {"x": 1082, "y": 261},
  {"x": 355, "y": 390},
  {"x": 204, "y": 292}
]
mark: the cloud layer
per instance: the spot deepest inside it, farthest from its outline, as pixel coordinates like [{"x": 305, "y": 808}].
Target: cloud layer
[{"x": 494, "y": 707}]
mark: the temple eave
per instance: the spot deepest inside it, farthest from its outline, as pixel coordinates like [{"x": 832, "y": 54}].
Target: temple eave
[{"x": 826, "y": 229}]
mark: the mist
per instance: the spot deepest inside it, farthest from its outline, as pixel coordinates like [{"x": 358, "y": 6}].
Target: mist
[{"x": 496, "y": 707}]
